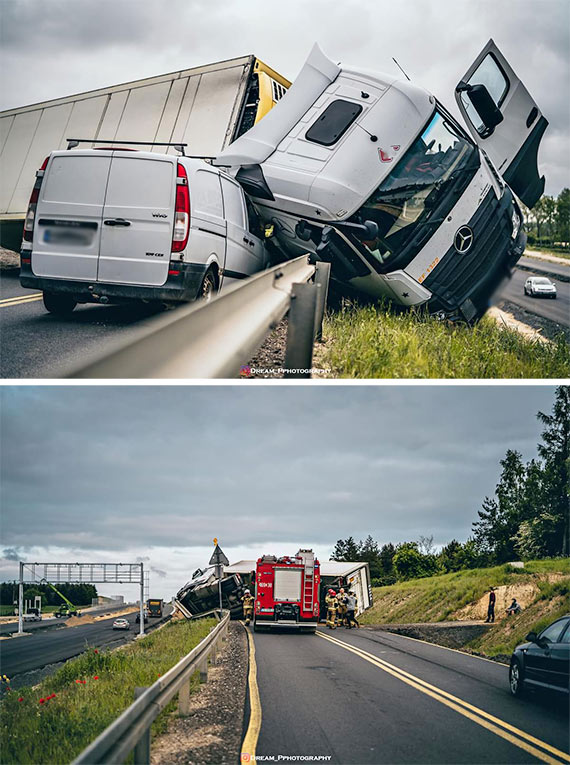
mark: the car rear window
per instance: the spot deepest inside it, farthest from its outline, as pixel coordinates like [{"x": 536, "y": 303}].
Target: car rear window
[
  {"x": 76, "y": 179},
  {"x": 333, "y": 122},
  {"x": 135, "y": 182}
]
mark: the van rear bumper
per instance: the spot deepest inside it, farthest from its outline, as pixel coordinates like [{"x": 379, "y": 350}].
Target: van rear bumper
[{"x": 178, "y": 288}]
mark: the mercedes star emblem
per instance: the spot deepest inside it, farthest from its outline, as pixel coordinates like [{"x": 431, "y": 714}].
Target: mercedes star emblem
[{"x": 463, "y": 239}]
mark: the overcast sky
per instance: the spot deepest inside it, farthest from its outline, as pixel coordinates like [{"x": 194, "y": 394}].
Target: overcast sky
[
  {"x": 120, "y": 474},
  {"x": 60, "y": 47}
]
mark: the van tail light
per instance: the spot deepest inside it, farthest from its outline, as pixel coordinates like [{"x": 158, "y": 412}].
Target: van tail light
[
  {"x": 181, "y": 212},
  {"x": 33, "y": 203}
]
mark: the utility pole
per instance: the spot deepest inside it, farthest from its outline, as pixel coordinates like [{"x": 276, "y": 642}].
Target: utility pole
[
  {"x": 21, "y": 601},
  {"x": 141, "y": 607}
]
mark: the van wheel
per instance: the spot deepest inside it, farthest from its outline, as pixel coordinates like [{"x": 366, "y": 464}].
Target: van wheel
[
  {"x": 208, "y": 288},
  {"x": 60, "y": 305}
]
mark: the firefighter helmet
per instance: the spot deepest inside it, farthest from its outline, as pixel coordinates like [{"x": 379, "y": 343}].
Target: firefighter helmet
[{"x": 247, "y": 592}]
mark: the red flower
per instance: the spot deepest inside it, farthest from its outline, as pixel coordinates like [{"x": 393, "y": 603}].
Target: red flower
[
  {"x": 21, "y": 698},
  {"x": 84, "y": 681},
  {"x": 95, "y": 677},
  {"x": 78, "y": 681},
  {"x": 96, "y": 651},
  {"x": 42, "y": 701}
]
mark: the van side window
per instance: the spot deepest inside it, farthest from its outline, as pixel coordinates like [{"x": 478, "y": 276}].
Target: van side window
[
  {"x": 489, "y": 74},
  {"x": 233, "y": 203},
  {"x": 206, "y": 194},
  {"x": 254, "y": 220},
  {"x": 333, "y": 122}
]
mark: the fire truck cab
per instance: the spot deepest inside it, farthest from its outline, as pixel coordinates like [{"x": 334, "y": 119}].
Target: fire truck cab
[{"x": 287, "y": 592}]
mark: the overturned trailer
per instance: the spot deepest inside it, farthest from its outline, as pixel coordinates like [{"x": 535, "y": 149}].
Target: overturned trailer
[
  {"x": 371, "y": 173},
  {"x": 205, "y": 107},
  {"x": 202, "y": 593}
]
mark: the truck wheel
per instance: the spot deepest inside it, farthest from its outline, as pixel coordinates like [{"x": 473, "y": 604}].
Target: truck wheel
[
  {"x": 59, "y": 305},
  {"x": 208, "y": 287}
]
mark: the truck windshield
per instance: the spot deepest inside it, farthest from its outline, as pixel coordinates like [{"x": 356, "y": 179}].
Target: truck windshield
[{"x": 419, "y": 182}]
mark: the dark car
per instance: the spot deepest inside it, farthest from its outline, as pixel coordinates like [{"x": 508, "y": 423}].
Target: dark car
[{"x": 544, "y": 661}]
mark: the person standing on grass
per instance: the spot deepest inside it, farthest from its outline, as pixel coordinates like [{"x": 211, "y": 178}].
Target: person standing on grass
[{"x": 491, "y": 606}]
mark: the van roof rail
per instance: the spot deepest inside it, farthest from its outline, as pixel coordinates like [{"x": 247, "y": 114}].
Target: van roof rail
[{"x": 73, "y": 142}]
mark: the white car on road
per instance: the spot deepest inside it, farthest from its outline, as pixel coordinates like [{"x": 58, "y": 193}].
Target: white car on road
[
  {"x": 121, "y": 624},
  {"x": 536, "y": 286}
]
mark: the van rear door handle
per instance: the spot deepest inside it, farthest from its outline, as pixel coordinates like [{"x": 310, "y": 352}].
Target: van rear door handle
[{"x": 117, "y": 222}]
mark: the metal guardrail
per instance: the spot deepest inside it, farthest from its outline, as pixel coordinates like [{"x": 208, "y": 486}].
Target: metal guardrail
[
  {"x": 215, "y": 339},
  {"x": 131, "y": 731}
]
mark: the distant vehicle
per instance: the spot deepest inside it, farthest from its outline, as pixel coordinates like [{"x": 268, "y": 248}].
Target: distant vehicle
[
  {"x": 544, "y": 661},
  {"x": 66, "y": 608},
  {"x": 33, "y": 615},
  {"x": 287, "y": 592},
  {"x": 121, "y": 624},
  {"x": 539, "y": 286},
  {"x": 154, "y": 607},
  {"x": 113, "y": 225},
  {"x": 372, "y": 173}
]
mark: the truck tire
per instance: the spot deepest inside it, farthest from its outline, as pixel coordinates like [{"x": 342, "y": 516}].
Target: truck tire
[{"x": 58, "y": 304}]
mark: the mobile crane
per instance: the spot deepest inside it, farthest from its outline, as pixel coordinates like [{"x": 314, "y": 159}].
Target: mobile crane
[{"x": 67, "y": 608}]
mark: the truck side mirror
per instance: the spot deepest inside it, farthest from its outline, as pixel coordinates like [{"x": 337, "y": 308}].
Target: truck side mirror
[{"x": 483, "y": 104}]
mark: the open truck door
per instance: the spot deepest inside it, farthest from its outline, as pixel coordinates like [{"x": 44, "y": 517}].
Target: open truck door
[{"x": 504, "y": 120}]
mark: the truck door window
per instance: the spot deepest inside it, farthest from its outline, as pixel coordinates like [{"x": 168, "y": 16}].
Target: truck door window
[
  {"x": 489, "y": 74},
  {"x": 333, "y": 122},
  {"x": 254, "y": 221},
  {"x": 206, "y": 194},
  {"x": 233, "y": 203}
]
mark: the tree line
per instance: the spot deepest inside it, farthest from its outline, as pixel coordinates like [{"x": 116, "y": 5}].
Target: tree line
[
  {"x": 548, "y": 223},
  {"x": 526, "y": 518},
  {"x": 78, "y": 594}
]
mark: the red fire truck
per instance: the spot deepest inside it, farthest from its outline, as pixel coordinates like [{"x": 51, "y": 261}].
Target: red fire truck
[{"x": 287, "y": 592}]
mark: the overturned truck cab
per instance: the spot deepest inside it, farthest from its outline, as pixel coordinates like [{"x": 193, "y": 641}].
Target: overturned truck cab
[{"x": 374, "y": 175}]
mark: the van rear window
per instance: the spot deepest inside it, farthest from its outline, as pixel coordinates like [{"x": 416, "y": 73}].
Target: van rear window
[
  {"x": 76, "y": 179},
  {"x": 333, "y": 122}
]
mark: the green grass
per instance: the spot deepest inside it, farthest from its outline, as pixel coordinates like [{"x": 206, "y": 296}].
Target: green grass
[
  {"x": 374, "y": 342},
  {"x": 59, "y": 729},
  {"x": 438, "y": 598},
  {"x": 559, "y": 252}
]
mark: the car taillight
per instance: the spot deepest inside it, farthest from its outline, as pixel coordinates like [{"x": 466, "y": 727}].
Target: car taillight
[
  {"x": 33, "y": 203},
  {"x": 181, "y": 212}
]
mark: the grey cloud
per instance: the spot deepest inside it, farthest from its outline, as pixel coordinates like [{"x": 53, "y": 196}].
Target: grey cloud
[
  {"x": 62, "y": 47},
  {"x": 11, "y": 553},
  {"x": 115, "y": 467}
]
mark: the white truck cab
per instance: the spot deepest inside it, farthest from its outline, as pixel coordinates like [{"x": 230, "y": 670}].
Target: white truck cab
[
  {"x": 373, "y": 174},
  {"x": 115, "y": 224}
]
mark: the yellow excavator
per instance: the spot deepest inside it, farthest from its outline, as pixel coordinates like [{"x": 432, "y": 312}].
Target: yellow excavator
[{"x": 67, "y": 608}]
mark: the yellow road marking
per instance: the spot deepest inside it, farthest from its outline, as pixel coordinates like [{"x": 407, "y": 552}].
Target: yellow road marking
[
  {"x": 475, "y": 714},
  {"x": 249, "y": 744},
  {"x": 21, "y": 299}
]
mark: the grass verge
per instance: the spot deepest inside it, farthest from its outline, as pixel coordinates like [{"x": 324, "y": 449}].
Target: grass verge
[
  {"x": 375, "y": 342},
  {"x": 87, "y": 694},
  {"x": 441, "y": 598}
]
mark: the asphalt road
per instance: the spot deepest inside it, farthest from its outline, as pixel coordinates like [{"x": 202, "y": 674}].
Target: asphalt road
[
  {"x": 318, "y": 698},
  {"x": 556, "y": 310},
  {"x": 25, "y": 654},
  {"x": 36, "y": 344}
]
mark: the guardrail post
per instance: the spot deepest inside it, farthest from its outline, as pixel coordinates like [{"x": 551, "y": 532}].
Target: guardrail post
[
  {"x": 322, "y": 275},
  {"x": 204, "y": 671},
  {"x": 184, "y": 700},
  {"x": 142, "y": 748},
  {"x": 301, "y": 329}
]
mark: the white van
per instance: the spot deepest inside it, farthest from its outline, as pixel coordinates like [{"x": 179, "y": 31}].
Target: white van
[
  {"x": 113, "y": 225},
  {"x": 373, "y": 174}
]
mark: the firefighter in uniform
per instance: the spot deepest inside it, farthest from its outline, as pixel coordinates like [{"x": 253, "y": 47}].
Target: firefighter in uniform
[
  {"x": 247, "y": 601},
  {"x": 341, "y": 598},
  {"x": 332, "y": 605}
]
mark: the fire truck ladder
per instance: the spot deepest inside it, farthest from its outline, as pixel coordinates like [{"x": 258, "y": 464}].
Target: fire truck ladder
[{"x": 309, "y": 585}]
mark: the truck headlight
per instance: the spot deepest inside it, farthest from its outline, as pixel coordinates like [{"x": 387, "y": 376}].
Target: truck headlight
[{"x": 516, "y": 221}]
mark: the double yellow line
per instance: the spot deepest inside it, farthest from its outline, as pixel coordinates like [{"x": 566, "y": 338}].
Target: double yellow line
[
  {"x": 539, "y": 749},
  {"x": 21, "y": 299}
]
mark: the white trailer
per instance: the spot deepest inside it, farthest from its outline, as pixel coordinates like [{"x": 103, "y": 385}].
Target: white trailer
[{"x": 206, "y": 107}]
